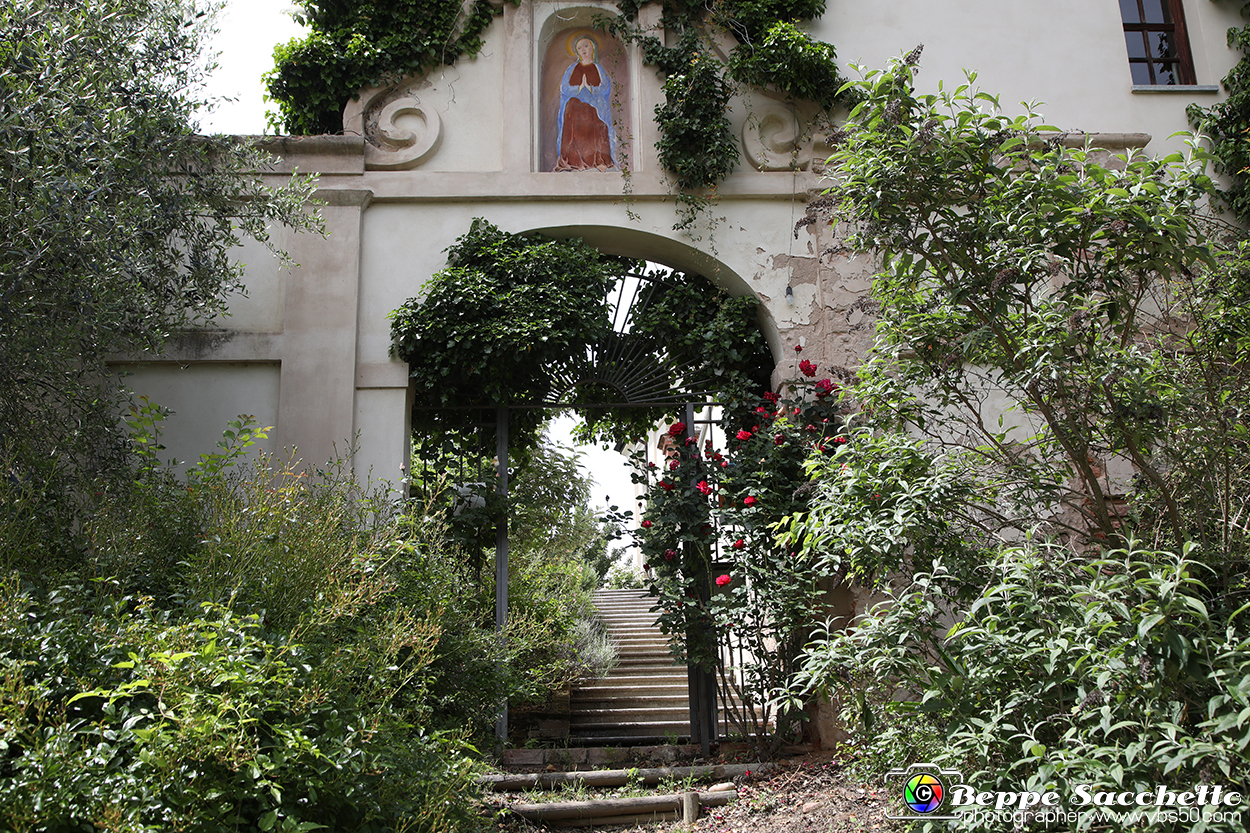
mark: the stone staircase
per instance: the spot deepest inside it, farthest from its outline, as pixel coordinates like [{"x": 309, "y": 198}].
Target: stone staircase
[{"x": 645, "y": 697}]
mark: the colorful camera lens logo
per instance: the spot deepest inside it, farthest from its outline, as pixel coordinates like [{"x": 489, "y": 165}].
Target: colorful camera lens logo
[{"x": 923, "y": 793}]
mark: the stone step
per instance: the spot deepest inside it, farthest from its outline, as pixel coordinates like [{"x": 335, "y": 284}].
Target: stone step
[
  {"x": 659, "y": 667},
  {"x": 673, "y": 689},
  {"x": 649, "y": 653},
  {"x": 642, "y": 729},
  {"x": 584, "y": 705},
  {"x": 627, "y": 716}
]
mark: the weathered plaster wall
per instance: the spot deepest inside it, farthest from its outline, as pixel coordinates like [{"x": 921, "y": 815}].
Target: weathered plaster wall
[
  {"x": 204, "y": 397},
  {"x": 421, "y": 159}
]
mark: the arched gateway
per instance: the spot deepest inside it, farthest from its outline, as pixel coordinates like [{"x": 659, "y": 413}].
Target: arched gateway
[{"x": 308, "y": 349}]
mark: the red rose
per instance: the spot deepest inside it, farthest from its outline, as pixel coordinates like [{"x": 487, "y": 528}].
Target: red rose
[
  {"x": 762, "y": 411},
  {"x": 840, "y": 440},
  {"x": 677, "y": 429},
  {"x": 704, "y": 488},
  {"x": 824, "y": 387},
  {"x": 739, "y": 544},
  {"x": 691, "y": 441},
  {"x": 646, "y": 524},
  {"x": 668, "y": 487},
  {"x": 721, "y": 581},
  {"x": 744, "y": 434},
  {"x": 724, "y": 464},
  {"x": 807, "y": 367},
  {"x": 672, "y": 464},
  {"x": 669, "y": 555},
  {"x": 749, "y": 501},
  {"x": 646, "y": 565},
  {"x": 779, "y": 439},
  {"x": 798, "y": 348},
  {"x": 772, "y": 398}
]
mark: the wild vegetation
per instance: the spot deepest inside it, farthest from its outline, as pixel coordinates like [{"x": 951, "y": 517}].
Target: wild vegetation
[
  {"x": 261, "y": 643},
  {"x": 1054, "y": 429}
]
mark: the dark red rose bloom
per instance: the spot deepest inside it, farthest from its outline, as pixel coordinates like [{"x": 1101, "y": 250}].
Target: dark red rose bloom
[
  {"x": 824, "y": 387},
  {"x": 669, "y": 555},
  {"x": 677, "y": 429},
  {"x": 739, "y": 544},
  {"x": 772, "y": 398},
  {"x": 646, "y": 524},
  {"x": 704, "y": 488},
  {"x": 668, "y": 487},
  {"x": 749, "y": 501},
  {"x": 811, "y": 427},
  {"x": 798, "y": 348},
  {"x": 646, "y": 565},
  {"x": 807, "y": 367},
  {"x": 721, "y": 581},
  {"x": 779, "y": 439},
  {"x": 840, "y": 440},
  {"x": 762, "y": 411},
  {"x": 744, "y": 434},
  {"x": 673, "y": 464}
]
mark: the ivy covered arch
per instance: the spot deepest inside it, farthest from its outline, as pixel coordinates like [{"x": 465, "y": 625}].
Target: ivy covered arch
[
  {"x": 520, "y": 323},
  {"x": 514, "y": 319},
  {"x": 673, "y": 253}
]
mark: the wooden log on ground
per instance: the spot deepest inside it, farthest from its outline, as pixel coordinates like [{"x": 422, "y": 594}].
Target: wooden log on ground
[
  {"x": 690, "y": 807},
  {"x": 604, "y": 821},
  {"x": 616, "y": 777},
  {"x": 560, "y": 811}
]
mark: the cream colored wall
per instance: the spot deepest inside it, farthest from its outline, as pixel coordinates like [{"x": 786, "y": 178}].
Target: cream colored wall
[
  {"x": 204, "y": 397},
  {"x": 1067, "y": 54},
  {"x": 423, "y": 158}
]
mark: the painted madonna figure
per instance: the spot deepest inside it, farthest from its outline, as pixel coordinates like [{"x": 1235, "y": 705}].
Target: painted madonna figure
[{"x": 587, "y": 141}]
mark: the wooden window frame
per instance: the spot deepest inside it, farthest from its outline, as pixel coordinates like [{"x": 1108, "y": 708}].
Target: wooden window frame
[{"x": 1183, "y": 60}]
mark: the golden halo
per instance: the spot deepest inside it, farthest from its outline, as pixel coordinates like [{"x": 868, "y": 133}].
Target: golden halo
[{"x": 576, "y": 35}]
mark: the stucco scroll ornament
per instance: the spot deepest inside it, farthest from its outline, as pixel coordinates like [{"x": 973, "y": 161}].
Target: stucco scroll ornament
[
  {"x": 402, "y": 134},
  {"x": 774, "y": 140}
]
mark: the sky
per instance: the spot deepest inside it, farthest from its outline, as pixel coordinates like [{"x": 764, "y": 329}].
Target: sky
[{"x": 248, "y": 32}]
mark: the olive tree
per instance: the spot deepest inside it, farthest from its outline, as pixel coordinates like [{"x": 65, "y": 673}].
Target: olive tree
[{"x": 117, "y": 220}]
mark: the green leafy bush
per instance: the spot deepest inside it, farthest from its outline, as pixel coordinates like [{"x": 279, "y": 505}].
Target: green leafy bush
[
  {"x": 1114, "y": 672},
  {"x": 116, "y": 714}
]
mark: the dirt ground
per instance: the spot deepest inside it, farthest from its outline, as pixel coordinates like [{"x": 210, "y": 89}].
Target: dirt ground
[{"x": 810, "y": 794}]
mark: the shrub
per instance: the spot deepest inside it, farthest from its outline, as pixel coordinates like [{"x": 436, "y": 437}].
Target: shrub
[
  {"x": 1113, "y": 672},
  {"x": 120, "y": 715}
]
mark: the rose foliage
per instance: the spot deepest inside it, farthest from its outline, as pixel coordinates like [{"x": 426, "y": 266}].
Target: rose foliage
[{"x": 713, "y": 511}]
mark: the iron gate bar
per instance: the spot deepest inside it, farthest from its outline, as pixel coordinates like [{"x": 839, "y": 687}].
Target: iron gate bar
[{"x": 501, "y": 557}]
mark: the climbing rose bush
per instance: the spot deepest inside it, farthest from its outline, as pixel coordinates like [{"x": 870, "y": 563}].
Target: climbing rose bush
[{"x": 716, "y": 512}]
